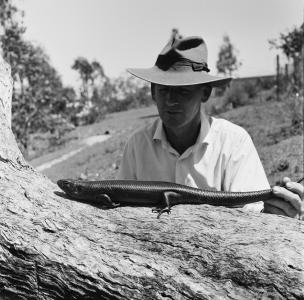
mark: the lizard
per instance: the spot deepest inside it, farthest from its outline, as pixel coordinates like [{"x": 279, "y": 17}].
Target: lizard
[{"x": 162, "y": 195}]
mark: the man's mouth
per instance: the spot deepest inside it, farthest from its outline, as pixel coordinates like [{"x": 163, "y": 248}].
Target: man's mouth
[{"x": 173, "y": 111}]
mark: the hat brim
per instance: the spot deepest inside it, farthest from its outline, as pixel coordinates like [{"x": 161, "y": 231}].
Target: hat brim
[{"x": 176, "y": 78}]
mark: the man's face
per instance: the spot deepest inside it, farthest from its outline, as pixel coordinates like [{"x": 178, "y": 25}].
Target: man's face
[{"x": 178, "y": 105}]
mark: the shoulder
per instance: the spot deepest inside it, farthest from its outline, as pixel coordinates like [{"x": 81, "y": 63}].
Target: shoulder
[
  {"x": 229, "y": 137},
  {"x": 228, "y": 130}
]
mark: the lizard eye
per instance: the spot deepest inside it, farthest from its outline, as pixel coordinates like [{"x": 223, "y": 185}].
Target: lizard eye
[{"x": 71, "y": 186}]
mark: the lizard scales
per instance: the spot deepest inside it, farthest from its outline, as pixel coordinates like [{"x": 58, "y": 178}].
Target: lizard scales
[{"x": 150, "y": 193}]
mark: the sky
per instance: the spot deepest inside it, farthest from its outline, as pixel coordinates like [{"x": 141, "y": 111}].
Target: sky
[{"x": 131, "y": 33}]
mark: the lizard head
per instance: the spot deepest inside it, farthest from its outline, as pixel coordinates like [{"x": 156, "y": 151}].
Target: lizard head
[{"x": 68, "y": 186}]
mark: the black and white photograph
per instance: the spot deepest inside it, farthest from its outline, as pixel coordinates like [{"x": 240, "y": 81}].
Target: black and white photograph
[{"x": 151, "y": 149}]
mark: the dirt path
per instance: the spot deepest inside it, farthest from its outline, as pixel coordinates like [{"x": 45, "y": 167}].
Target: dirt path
[{"x": 90, "y": 141}]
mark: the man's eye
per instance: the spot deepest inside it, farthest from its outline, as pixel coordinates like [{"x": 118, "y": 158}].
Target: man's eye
[{"x": 184, "y": 92}]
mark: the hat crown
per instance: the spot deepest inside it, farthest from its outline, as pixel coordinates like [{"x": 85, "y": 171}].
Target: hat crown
[
  {"x": 185, "y": 52},
  {"x": 192, "y": 47}
]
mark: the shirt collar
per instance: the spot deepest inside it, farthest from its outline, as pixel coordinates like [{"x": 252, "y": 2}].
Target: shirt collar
[
  {"x": 203, "y": 137},
  {"x": 159, "y": 132}
]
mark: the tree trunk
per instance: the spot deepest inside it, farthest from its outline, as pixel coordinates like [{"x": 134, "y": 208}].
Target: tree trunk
[
  {"x": 55, "y": 248},
  {"x": 6, "y": 90}
]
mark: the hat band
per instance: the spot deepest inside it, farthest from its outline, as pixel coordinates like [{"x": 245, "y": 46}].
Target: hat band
[{"x": 181, "y": 64}]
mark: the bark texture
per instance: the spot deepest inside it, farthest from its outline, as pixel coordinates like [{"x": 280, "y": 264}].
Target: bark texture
[
  {"x": 6, "y": 90},
  {"x": 55, "y": 248}
]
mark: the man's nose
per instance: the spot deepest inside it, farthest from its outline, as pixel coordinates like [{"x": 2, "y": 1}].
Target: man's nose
[{"x": 171, "y": 98}]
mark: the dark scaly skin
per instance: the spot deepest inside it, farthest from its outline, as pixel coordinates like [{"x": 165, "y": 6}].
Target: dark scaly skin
[{"x": 164, "y": 195}]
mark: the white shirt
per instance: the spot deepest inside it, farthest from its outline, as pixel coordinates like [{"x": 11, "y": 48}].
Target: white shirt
[{"x": 223, "y": 158}]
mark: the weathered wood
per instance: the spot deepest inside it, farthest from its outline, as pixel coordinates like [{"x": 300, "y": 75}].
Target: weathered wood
[
  {"x": 54, "y": 248},
  {"x": 6, "y": 90}
]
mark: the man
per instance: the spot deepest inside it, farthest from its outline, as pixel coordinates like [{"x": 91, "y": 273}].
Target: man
[{"x": 187, "y": 146}]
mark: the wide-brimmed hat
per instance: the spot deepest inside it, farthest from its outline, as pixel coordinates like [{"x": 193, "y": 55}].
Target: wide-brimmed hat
[{"x": 183, "y": 61}]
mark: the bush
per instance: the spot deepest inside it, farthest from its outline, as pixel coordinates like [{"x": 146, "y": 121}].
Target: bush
[
  {"x": 295, "y": 106},
  {"x": 251, "y": 88},
  {"x": 267, "y": 95},
  {"x": 236, "y": 95},
  {"x": 266, "y": 82}
]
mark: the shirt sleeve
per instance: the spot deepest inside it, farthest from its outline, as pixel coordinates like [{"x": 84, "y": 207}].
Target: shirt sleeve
[
  {"x": 245, "y": 172},
  {"x": 127, "y": 169}
]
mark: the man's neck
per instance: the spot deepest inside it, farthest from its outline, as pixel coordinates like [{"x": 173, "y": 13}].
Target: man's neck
[{"x": 183, "y": 138}]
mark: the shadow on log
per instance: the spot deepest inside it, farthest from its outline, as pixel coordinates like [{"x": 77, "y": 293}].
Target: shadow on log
[{"x": 54, "y": 248}]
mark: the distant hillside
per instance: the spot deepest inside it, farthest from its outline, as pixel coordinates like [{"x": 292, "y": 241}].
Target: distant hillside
[{"x": 253, "y": 78}]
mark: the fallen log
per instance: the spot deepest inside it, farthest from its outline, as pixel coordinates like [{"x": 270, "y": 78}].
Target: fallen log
[{"x": 55, "y": 248}]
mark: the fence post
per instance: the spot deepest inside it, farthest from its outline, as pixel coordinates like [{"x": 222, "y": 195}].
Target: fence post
[
  {"x": 286, "y": 77},
  {"x": 278, "y": 78}
]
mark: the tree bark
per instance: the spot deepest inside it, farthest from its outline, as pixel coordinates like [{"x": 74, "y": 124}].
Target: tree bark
[
  {"x": 6, "y": 90},
  {"x": 55, "y": 248}
]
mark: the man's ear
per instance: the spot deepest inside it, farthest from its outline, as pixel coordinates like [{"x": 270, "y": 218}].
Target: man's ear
[
  {"x": 153, "y": 90},
  {"x": 206, "y": 92}
]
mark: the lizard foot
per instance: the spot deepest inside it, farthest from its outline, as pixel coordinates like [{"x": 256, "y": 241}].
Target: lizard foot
[
  {"x": 169, "y": 197},
  {"x": 160, "y": 211},
  {"x": 107, "y": 201}
]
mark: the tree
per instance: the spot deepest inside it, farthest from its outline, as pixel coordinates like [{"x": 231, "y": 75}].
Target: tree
[
  {"x": 85, "y": 70},
  {"x": 11, "y": 35},
  {"x": 101, "y": 87},
  {"x": 92, "y": 93},
  {"x": 98, "y": 72},
  {"x": 292, "y": 45},
  {"x": 38, "y": 89},
  {"x": 129, "y": 92},
  {"x": 227, "y": 62},
  {"x": 37, "y": 97}
]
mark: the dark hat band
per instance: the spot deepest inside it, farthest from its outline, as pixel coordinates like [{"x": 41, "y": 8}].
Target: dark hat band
[{"x": 165, "y": 62}]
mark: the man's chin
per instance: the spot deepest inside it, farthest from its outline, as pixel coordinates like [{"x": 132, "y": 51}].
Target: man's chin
[{"x": 172, "y": 123}]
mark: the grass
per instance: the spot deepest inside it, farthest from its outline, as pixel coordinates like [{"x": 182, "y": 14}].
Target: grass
[
  {"x": 278, "y": 141},
  {"x": 100, "y": 161}
]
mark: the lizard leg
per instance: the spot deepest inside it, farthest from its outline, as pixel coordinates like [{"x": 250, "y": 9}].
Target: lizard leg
[
  {"x": 167, "y": 195},
  {"x": 106, "y": 200}
]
